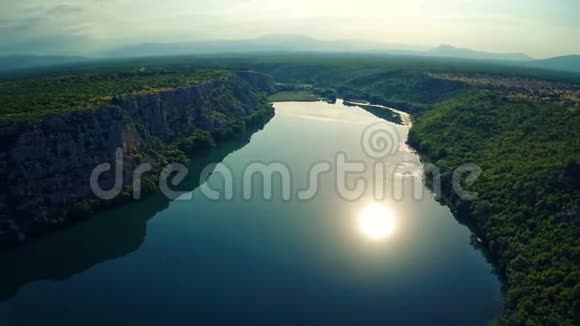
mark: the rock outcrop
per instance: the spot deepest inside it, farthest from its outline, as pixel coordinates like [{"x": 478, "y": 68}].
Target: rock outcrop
[{"x": 45, "y": 165}]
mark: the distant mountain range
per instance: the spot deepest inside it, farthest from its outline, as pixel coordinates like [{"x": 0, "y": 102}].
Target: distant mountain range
[
  {"x": 268, "y": 43},
  {"x": 565, "y": 63},
  {"x": 293, "y": 43},
  {"x": 299, "y": 43},
  {"x": 445, "y": 50}
]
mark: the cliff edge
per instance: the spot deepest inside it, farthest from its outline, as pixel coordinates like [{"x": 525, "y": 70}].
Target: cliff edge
[{"x": 46, "y": 164}]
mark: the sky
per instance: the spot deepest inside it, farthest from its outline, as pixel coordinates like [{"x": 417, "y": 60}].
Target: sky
[{"x": 540, "y": 28}]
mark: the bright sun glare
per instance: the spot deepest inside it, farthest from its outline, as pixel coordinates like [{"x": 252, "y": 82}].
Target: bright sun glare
[{"x": 376, "y": 222}]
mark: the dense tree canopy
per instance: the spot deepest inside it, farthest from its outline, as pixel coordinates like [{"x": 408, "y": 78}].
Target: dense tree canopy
[{"x": 34, "y": 96}]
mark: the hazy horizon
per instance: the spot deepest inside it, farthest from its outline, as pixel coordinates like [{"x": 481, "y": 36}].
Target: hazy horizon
[{"x": 537, "y": 28}]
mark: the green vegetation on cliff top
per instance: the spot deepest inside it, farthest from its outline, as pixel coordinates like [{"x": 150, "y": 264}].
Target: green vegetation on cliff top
[{"x": 30, "y": 97}]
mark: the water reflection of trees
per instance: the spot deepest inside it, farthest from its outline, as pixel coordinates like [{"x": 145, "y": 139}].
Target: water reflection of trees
[{"x": 109, "y": 235}]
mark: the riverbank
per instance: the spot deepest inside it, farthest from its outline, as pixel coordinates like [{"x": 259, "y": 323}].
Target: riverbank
[
  {"x": 48, "y": 163},
  {"x": 404, "y": 118},
  {"x": 294, "y": 96},
  {"x": 511, "y": 215}
]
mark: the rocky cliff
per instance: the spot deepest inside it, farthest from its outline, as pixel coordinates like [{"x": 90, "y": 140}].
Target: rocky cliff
[{"x": 45, "y": 165}]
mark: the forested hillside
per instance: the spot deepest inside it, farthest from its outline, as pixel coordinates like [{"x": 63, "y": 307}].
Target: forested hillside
[{"x": 527, "y": 211}]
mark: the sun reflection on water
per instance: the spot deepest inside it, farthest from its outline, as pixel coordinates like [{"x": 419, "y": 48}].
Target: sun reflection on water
[{"x": 376, "y": 222}]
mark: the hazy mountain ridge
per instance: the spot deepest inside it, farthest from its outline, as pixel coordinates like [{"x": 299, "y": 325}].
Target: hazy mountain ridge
[
  {"x": 447, "y": 50},
  {"x": 300, "y": 43},
  {"x": 564, "y": 63},
  {"x": 293, "y": 43},
  {"x": 267, "y": 43}
]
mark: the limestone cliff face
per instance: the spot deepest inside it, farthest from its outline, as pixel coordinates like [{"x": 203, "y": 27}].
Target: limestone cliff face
[
  {"x": 179, "y": 112},
  {"x": 45, "y": 165}
]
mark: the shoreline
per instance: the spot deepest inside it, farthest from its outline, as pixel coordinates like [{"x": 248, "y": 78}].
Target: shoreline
[{"x": 406, "y": 118}]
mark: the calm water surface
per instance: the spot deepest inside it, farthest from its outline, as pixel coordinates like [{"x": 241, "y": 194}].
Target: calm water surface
[{"x": 201, "y": 261}]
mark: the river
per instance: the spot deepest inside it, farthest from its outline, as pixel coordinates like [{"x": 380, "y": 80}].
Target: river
[{"x": 319, "y": 256}]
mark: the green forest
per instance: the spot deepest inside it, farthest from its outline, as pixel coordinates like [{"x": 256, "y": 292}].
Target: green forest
[
  {"x": 29, "y": 97},
  {"x": 529, "y": 195}
]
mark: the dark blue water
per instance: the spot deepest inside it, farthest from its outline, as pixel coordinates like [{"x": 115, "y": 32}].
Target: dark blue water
[{"x": 259, "y": 261}]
